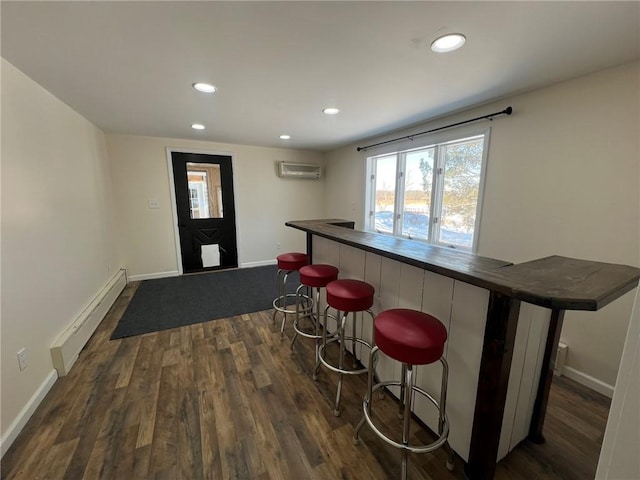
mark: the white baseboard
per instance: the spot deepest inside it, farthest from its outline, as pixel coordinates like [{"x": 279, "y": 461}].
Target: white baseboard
[
  {"x": 23, "y": 417},
  {"x": 258, "y": 264},
  {"x": 152, "y": 276},
  {"x": 589, "y": 381},
  {"x": 175, "y": 273}
]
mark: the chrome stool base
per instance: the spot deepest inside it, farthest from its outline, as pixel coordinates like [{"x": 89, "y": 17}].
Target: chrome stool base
[
  {"x": 342, "y": 339},
  {"x": 280, "y": 302},
  {"x": 407, "y": 387},
  {"x": 307, "y": 312}
]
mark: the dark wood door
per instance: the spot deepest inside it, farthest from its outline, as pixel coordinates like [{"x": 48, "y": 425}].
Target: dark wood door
[{"x": 206, "y": 211}]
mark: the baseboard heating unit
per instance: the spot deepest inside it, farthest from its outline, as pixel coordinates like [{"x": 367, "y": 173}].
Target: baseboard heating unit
[{"x": 68, "y": 346}]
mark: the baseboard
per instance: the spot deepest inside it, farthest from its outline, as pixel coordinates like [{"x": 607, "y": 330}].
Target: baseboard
[
  {"x": 175, "y": 273},
  {"x": 23, "y": 417},
  {"x": 258, "y": 264},
  {"x": 153, "y": 276},
  {"x": 589, "y": 381}
]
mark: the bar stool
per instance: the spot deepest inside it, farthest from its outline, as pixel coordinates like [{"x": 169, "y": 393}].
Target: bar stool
[
  {"x": 346, "y": 296},
  {"x": 287, "y": 263},
  {"x": 412, "y": 338},
  {"x": 316, "y": 276}
]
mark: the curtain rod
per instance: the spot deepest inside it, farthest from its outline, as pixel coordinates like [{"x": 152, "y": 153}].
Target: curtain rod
[{"x": 506, "y": 111}]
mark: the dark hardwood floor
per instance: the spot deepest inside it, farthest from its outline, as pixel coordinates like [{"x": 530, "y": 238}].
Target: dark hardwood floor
[{"x": 228, "y": 399}]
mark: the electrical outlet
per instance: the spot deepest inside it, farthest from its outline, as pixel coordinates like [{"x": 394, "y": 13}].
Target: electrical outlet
[
  {"x": 22, "y": 358},
  {"x": 154, "y": 203},
  {"x": 277, "y": 245}
]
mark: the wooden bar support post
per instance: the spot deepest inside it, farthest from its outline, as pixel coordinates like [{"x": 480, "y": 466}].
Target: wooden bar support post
[
  {"x": 495, "y": 365},
  {"x": 546, "y": 376},
  {"x": 310, "y": 247}
]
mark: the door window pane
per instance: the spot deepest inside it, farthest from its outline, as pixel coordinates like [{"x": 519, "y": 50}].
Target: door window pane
[
  {"x": 418, "y": 181},
  {"x": 205, "y": 190},
  {"x": 385, "y": 195},
  {"x": 462, "y": 166}
]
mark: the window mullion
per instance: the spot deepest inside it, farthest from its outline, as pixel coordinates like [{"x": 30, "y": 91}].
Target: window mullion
[
  {"x": 399, "y": 203},
  {"x": 437, "y": 191},
  {"x": 372, "y": 169}
]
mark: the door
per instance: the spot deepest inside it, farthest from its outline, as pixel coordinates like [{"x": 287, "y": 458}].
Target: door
[{"x": 206, "y": 212}]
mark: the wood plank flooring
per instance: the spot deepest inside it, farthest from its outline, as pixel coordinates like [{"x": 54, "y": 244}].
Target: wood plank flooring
[{"x": 228, "y": 399}]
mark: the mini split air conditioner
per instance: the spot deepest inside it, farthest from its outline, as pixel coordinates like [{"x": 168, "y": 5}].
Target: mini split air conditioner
[{"x": 299, "y": 170}]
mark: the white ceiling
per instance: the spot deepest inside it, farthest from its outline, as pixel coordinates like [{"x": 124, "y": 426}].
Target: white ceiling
[{"x": 128, "y": 66}]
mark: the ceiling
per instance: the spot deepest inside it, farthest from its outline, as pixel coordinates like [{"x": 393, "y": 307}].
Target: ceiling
[{"x": 128, "y": 67}]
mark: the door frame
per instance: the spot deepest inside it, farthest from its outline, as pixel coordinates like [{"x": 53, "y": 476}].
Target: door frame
[{"x": 172, "y": 189}]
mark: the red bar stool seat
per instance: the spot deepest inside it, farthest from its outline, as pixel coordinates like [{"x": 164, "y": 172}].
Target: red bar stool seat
[
  {"x": 292, "y": 262},
  {"x": 312, "y": 277},
  {"x": 287, "y": 263},
  {"x": 412, "y": 338},
  {"x": 346, "y": 296}
]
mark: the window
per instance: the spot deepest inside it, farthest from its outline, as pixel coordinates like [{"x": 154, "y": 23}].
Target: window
[
  {"x": 205, "y": 190},
  {"x": 432, "y": 193},
  {"x": 198, "y": 194}
]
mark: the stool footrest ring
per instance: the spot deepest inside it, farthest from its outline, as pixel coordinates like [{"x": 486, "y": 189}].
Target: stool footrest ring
[
  {"x": 306, "y": 334},
  {"x": 279, "y": 300},
  {"x": 442, "y": 439},
  {"x": 336, "y": 369}
]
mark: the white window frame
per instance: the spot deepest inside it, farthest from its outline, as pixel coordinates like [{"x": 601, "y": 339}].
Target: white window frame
[{"x": 401, "y": 150}]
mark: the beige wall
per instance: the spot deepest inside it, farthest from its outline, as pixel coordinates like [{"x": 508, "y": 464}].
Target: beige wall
[
  {"x": 563, "y": 178},
  {"x": 58, "y": 241},
  {"x": 264, "y": 202}
]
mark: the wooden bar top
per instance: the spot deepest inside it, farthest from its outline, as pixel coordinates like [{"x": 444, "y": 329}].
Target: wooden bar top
[{"x": 552, "y": 282}]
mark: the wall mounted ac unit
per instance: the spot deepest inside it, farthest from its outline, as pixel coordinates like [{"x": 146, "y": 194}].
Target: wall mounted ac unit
[{"x": 299, "y": 170}]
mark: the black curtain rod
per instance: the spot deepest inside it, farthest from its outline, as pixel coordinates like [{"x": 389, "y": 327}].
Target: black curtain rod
[{"x": 506, "y": 111}]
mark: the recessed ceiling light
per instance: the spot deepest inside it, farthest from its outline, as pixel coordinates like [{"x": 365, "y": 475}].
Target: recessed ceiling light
[
  {"x": 204, "y": 87},
  {"x": 448, "y": 42},
  {"x": 197, "y": 126},
  {"x": 285, "y": 137},
  {"x": 331, "y": 110}
]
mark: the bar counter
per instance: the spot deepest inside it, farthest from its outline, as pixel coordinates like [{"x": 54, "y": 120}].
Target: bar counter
[{"x": 498, "y": 395}]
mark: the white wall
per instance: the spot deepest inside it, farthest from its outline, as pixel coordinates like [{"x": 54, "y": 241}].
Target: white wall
[
  {"x": 264, "y": 202},
  {"x": 58, "y": 240},
  {"x": 563, "y": 178}
]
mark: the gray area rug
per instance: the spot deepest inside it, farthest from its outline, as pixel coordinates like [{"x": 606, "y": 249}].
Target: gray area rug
[{"x": 166, "y": 303}]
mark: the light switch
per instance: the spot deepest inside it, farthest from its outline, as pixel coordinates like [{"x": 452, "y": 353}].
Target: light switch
[{"x": 154, "y": 203}]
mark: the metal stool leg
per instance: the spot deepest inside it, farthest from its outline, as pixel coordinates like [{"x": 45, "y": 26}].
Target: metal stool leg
[
  {"x": 297, "y": 318},
  {"x": 403, "y": 383},
  {"x": 284, "y": 303},
  {"x": 307, "y": 311},
  {"x": 366, "y": 404},
  {"x": 407, "y": 391},
  {"x": 353, "y": 340},
  {"x": 278, "y": 294},
  {"x": 317, "y": 331},
  {"x": 324, "y": 339},
  {"x": 336, "y": 410}
]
